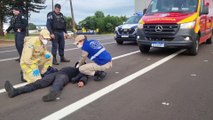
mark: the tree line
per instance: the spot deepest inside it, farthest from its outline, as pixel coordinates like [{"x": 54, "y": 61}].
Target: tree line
[{"x": 105, "y": 24}]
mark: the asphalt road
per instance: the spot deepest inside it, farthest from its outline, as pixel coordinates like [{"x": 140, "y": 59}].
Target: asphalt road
[{"x": 165, "y": 84}]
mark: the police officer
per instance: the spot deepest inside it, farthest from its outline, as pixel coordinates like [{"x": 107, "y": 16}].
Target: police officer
[
  {"x": 58, "y": 80},
  {"x": 35, "y": 56},
  {"x": 18, "y": 23},
  {"x": 56, "y": 25},
  {"x": 96, "y": 52}
]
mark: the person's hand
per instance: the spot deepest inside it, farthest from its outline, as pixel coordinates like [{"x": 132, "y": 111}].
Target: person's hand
[
  {"x": 47, "y": 55},
  {"x": 66, "y": 36},
  {"x": 5, "y": 33},
  {"x": 52, "y": 36},
  {"x": 19, "y": 30},
  {"x": 36, "y": 72},
  {"x": 80, "y": 84}
]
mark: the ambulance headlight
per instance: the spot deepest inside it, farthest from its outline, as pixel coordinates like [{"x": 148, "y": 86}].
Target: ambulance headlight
[
  {"x": 187, "y": 25},
  {"x": 140, "y": 26}
]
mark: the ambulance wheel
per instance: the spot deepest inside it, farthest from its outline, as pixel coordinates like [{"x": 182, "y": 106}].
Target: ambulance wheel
[
  {"x": 209, "y": 41},
  {"x": 194, "y": 48},
  {"x": 144, "y": 48},
  {"x": 119, "y": 42}
]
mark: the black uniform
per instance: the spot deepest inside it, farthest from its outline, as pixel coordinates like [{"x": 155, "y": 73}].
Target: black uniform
[
  {"x": 18, "y": 22},
  {"x": 56, "y": 25},
  {"x": 58, "y": 80}
]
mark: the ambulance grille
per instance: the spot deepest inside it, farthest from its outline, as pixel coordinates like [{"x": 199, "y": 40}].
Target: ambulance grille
[{"x": 166, "y": 31}]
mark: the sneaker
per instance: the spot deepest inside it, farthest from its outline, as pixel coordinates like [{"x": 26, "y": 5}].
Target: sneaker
[
  {"x": 99, "y": 75},
  {"x": 51, "y": 96}
]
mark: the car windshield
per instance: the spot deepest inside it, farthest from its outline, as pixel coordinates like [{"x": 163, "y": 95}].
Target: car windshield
[
  {"x": 133, "y": 20},
  {"x": 158, "y": 6}
]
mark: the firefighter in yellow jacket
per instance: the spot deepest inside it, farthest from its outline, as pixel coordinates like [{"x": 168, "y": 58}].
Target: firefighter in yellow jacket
[{"x": 35, "y": 58}]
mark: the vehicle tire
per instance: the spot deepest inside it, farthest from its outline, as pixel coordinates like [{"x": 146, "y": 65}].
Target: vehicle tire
[
  {"x": 144, "y": 48},
  {"x": 209, "y": 41},
  {"x": 119, "y": 42},
  {"x": 194, "y": 48}
]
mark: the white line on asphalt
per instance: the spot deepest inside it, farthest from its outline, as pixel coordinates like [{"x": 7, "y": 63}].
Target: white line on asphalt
[
  {"x": 94, "y": 96},
  {"x": 14, "y": 50},
  {"x": 13, "y": 58},
  {"x": 114, "y": 58}
]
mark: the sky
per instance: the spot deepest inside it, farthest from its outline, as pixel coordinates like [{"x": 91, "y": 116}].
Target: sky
[{"x": 85, "y": 8}]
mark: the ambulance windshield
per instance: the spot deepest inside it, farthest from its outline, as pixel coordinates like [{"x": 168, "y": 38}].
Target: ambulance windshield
[{"x": 158, "y": 6}]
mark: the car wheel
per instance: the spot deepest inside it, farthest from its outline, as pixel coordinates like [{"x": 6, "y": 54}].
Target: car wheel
[
  {"x": 209, "y": 41},
  {"x": 194, "y": 48},
  {"x": 144, "y": 48},
  {"x": 119, "y": 42}
]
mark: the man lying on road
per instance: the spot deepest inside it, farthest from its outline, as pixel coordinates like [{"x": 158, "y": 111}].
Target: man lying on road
[{"x": 58, "y": 80}]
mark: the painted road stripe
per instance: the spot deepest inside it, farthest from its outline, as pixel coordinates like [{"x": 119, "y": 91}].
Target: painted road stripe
[
  {"x": 121, "y": 56},
  {"x": 67, "y": 44},
  {"x": 13, "y": 58},
  {"x": 91, "y": 98}
]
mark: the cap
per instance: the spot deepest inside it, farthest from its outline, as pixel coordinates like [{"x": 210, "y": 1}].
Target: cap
[
  {"x": 58, "y": 6},
  {"x": 78, "y": 38},
  {"x": 17, "y": 8},
  {"x": 45, "y": 33}
]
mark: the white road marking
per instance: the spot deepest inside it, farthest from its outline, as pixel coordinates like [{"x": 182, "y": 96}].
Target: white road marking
[
  {"x": 121, "y": 56},
  {"x": 14, "y": 50},
  {"x": 94, "y": 96},
  {"x": 13, "y": 58}
]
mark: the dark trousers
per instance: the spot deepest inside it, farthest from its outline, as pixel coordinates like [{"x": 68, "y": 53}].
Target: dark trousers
[
  {"x": 57, "y": 80},
  {"x": 19, "y": 41},
  {"x": 58, "y": 43}
]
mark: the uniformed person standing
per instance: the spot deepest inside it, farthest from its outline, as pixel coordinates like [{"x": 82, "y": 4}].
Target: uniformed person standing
[
  {"x": 18, "y": 23},
  {"x": 97, "y": 53},
  {"x": 35, "y": 58},
  {"x": 56, "y": 25}
]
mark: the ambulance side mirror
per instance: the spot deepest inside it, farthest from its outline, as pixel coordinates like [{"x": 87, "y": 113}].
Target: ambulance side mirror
[
  {"x": 144, "y": 11},
  {"x": 204, "y": 10}
]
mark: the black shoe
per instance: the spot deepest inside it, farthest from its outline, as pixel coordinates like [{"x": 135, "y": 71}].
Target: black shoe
[
  {"x": 10, "y": 90},
  {"x": 55, "y": 61},
  {"x": 99, "y": 75},
  {"x": 51, "y": 96},
  {"x": 63, "y": 59},
  {"x": 18, "y": 60}
]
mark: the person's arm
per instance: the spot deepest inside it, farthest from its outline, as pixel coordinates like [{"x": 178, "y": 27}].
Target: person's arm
[
  {"x": 26, "y": 63},
  {"x": 49, "y": 22},
  {"x": 24, "y": 22},
  {"x": 83, "y": 57},
  {"x": 11, "y": 26}
]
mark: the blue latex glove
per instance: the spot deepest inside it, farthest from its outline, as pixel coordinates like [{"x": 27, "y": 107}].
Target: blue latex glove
[
  {"x": 36, "y": 72},
  {"x": 47, "y": 55}
]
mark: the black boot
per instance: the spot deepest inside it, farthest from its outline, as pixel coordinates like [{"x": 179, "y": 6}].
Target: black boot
[
  {"x": 63, "y": 59},
  {"x": 11, "y": 91},
  {"x": 55, "y": 61},
  {"x": 99, "y": 75},
  {"x": 77, "y": 78},
  {"x": 22, "y": 77},
  {"x": 18, "y": 59},
  {"x": 51, "y": 96}
]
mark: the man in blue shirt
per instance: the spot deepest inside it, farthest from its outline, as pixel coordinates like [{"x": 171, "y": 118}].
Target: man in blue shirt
[{"x": 97, "y": 53}]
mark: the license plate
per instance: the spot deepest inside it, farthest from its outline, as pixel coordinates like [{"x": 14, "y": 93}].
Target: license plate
[
  {"x": 125, "y": 36},
  {"x": 158, "y": 44}
]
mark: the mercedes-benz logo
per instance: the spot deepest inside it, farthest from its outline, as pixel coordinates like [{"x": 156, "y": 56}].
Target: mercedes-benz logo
[{"x": 159, "y": 28}]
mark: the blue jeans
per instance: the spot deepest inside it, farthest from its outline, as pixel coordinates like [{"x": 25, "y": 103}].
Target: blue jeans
[
  {"x": 19, "y": 41},
  {"x": 58, "y": 43}
]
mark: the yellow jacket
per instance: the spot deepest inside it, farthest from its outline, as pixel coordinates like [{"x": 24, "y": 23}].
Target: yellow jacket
[{"x": 32, "y": 53}]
